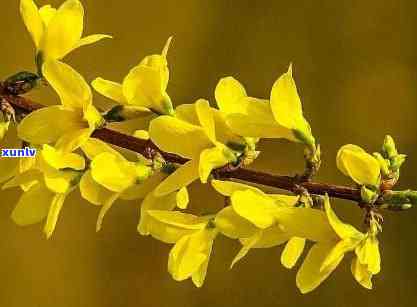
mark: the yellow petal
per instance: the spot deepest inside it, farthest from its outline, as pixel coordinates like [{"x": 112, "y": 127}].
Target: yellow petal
[
  {"x": 183, "y": 176},
  {"x": 187, "y": 112},
  {"x": 148, "y": 225},
  {"x": 48, "y": 124},
  {"x": 145, "y": 86},
  {"x": 92, "y": 191},
  {"x": 112, "y": 172},
  {"x": 139, "y": 191},
  {"x": 73, "y": 140},
  {"x": 287, "y": 200},
  {"x": 32, "y": 19},
  {"x": 213, "y": 158},
  {"x": 91, "y": 39},
  {"x": 105, "y": 208},
  {"x": 286, "y": 107},
  {"x": 256, "y": 120},
  {"x": 309, "y": 275},
  {"x": 361, "y": 273},
  {"x": 270, "y": 237},
  {"x": 60, "y": 182},
  {"x": 70, "y": 86},
  {"x": 227, "y": 188},
  {"x": 179, "y": 219},
  {"x": 53, "y": 214},
  {"x": 141, "y": 134},
  {"x": 228, "y": 91},
  {"x": 64, "y": 30},
  {"x": 109, "y": 89},
  {"x": 181, "y": 263},
  {"x": 343, "y": 230},
  {"x": 338, "y": 252},
  {"x": 232, "y": 225},
  {"x": 60, "y": 160},
  {"x": 176, "y": 136},
  {"x": 255, "y": 207},
  {"x": 47, "y": 12},
  {"x": 249, "y": 243},
  {"x": 306, "y": 223},
  {"x": 362, "y": 167},
  {"x": 189, "y": 254},
  {"x": 292, "y": 252},
  {"x": 206, "y": 119},
  {"x": 368, "y": 254},
  {"x": 32, "y": 206},
  {"x": 182, "y": 198},
  {"x": 94, "y": 147}
]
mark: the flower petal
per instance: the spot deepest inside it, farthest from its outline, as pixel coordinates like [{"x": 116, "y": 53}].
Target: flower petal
[
  {"x": 70, "y": 86},
  {"x": 105, "y": 208},
  {"x": 53, "y": 214},
  {"x": 309, "y": 275},
  {"x": 212, "y": 158},
  {"x": 206, "y": 118},
  {"x": 64, "y": 30},
  {"x": 109, "y": 89},
  {"x": 179, "y": 219},
  {"x": 92, "y": 191},
  {"x": 33, "y": 206},
  {"x": 292, "y": 252},
  {"x": 176, "y": 136},
  {"x": 361, "y": 273},
  {"x": 228, "y": 91},
  {"x": 182, "y": 177},
  {"x": 112, "y": 172},
  {"x": 255, "y": 207},
  {"x": 91, "y": 39},
  {"x": 232, "y": 225},
  {"x": 48, "y": 124},
  {"x": 47, "y": 12},
  {"x": 32, "y": 19},
  {"x": 286, "y": 107},
  {"x": 343, "y": 230},
  {"x": 362, "y": 167},
  {"x": 227, "y": 188}
]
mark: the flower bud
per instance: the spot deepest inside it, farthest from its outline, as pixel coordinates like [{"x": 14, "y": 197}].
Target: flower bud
[{"x": 388, "y": 148}]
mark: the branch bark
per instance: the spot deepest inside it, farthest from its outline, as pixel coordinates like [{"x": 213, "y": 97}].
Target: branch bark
[{"x": 24, "y": 105}]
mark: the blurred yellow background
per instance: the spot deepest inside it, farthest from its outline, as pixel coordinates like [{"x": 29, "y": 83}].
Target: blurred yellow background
[{"x": 355, "y": 63}]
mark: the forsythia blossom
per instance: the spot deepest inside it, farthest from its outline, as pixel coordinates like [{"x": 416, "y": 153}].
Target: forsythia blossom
[
  {"x": 143, "y": 89},
  {"x": 68, "y": 125},
  {"x": 56, "y": 32}
]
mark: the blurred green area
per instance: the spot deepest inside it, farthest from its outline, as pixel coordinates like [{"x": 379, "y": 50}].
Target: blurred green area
[{"x": 355, "y": 64}]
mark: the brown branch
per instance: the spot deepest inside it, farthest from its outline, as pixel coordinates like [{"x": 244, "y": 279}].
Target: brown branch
[{"x": 147, "y": 148}]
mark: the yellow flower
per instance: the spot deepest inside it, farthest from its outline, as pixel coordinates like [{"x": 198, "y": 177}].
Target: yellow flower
[
  {"x": 262, "y": 220},
  {"x": 326, "y": 255},
  {"x": 282, "y": 117},
  {"x": 111, "y": 176},
  {"x": 56, "y": 32},
  {"x": 144, "y": 88},
  {"x": 68, "y": 125},
  {"x": 4, "y": 125},
  {"x": 54, "y": 175},
  {"x": 193, "y": 237},
  {"x": 198, "y": 133},
  {"x": 356, "y": 163}
]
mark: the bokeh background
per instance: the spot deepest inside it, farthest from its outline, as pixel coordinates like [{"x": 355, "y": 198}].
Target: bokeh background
[{"x": 355, "y": 63}]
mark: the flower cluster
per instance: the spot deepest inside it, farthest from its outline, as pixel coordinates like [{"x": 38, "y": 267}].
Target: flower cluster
[{"x": 209, "y": 138}]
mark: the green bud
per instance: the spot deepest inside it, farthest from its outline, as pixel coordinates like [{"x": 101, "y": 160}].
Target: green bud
[
  {"x": 397, "y": 161},
  {"x": 303, "y": 138},
  {"x": 388, "y": 148},
  {"x": 368, "y": 195},
  {"x": 21, "y": 83},
  {"x": 383, "y": 163}
]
